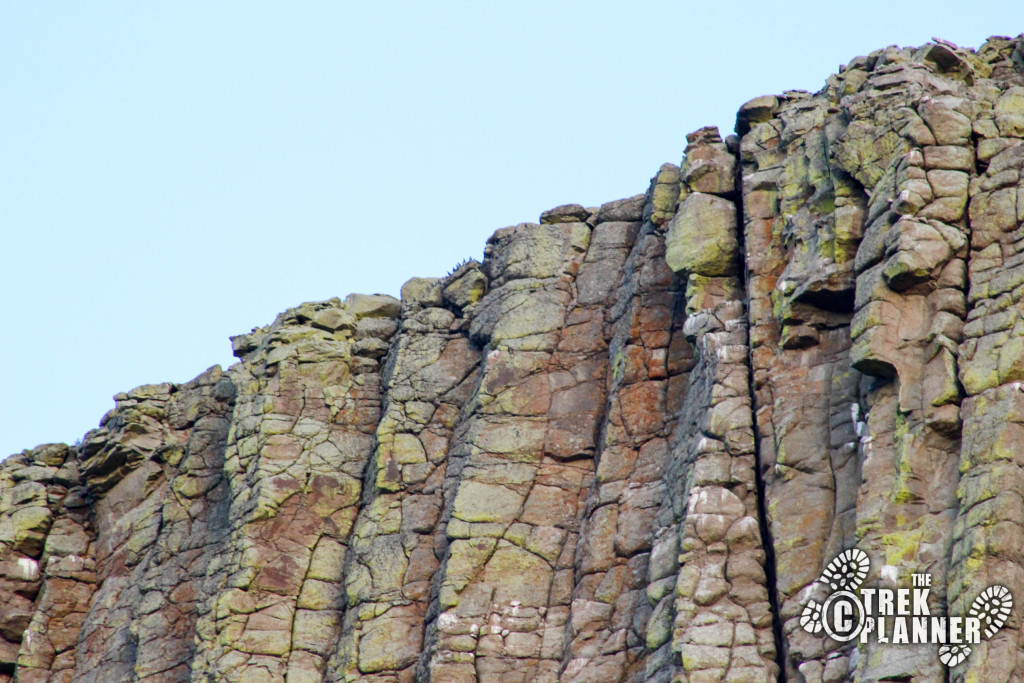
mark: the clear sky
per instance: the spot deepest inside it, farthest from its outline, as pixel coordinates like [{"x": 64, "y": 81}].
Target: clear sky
[{"x": 175, "y": 173}]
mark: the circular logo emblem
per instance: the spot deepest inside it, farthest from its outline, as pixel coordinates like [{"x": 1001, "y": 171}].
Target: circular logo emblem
[{"x": 843, "y": 616}]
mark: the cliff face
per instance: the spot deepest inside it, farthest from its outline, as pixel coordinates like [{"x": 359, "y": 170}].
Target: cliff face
[{"x": 622, "y": 448}]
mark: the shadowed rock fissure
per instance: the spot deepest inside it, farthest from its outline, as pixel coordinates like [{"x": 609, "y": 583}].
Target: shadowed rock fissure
[{"x": 762, "y": 501}]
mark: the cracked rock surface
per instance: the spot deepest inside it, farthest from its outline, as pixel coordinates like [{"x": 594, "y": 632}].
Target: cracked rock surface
[{"x": 622, "y": 447}]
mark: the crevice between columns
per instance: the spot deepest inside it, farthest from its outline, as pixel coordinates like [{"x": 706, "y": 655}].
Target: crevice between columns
[{"x": 767, "y": 542}]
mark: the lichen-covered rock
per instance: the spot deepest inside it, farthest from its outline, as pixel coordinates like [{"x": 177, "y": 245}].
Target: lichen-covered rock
[
  {"x": 702, "y": 237},
  {"x": 623, "y": 447}
]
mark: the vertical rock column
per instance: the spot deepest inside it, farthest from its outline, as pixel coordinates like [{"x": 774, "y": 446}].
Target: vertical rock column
[
  {"x": 125, "y": 465},
  {"x": 910, "y": 309},
  {"x": 429, "y": 376},
  {"x": 301, "y": 436},
  {"x": 157, "y": 530},
  {"x": 649, "y": 357},
  {"x": 897, "y": 123},
  {"x": 113, "y": 516},
  {"x": 717, "y": 625},
  {"x": 987, "y": 549},
  {"x": 43, "y": 524},
  {"x": 803, "y": 219},
  {"x": 520, "y": 462}
]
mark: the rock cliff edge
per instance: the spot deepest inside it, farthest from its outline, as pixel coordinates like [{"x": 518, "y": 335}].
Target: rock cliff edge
[{"x": 621, "y": 448}]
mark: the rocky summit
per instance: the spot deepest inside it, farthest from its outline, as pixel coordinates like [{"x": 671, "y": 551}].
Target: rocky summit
[{"x": 627, "y": 446}]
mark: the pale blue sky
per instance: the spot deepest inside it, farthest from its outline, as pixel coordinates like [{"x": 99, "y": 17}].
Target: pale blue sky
[{"x": 175, "y": 173}]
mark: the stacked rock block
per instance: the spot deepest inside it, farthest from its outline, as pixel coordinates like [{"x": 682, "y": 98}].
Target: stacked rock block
[
  {"x": 48, "y": 569},
  {"x": 716, "y": 621},
  {"x": 621, "y": 447},
  {"x": 301, "y": 436}
]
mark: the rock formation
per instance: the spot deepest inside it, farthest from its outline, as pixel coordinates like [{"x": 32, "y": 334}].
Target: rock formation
[{"x": 621, "y": 448}]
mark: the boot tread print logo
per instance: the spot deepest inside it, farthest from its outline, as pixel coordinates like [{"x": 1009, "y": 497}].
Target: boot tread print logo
[
  {"x": 993, "y": 608},
  {"x": 899, "y": 616},
  {"x": 847, "y": 570}
]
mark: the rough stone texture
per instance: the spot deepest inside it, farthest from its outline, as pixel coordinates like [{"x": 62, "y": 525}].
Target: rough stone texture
[{"x": 622, "y": 447}]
